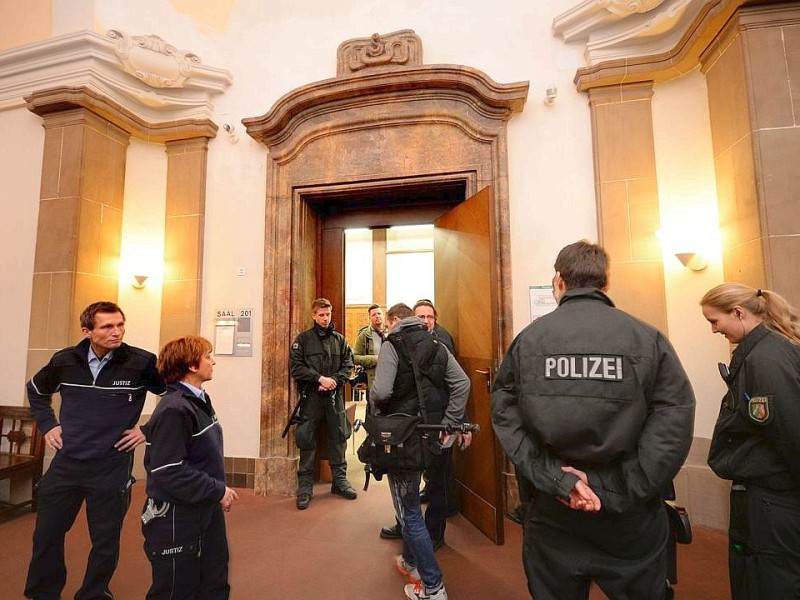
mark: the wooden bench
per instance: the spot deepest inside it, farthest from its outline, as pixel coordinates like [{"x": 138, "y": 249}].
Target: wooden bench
[{"x": 21, "y": 451}]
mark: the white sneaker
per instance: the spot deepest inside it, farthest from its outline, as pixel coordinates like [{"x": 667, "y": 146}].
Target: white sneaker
[
  {"x": 417, "y": 591},
  {"x": 406, "y": 569}
]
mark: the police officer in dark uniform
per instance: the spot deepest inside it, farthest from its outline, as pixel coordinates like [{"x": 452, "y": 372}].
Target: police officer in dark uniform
[
  {"x": 182, "y": 519},
  {"x": 103, "y": 383},
  {"x": 595, "y": 411},
  {"x": 320, "y": 362},
  {"x": 756, "y": 441}
]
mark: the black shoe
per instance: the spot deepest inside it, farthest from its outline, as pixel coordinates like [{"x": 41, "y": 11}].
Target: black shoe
[
  {"x": 437, "y": 544},
  {"x": 346, "y": 491},
  {"x": 392, "y": 533},
  {"x": 302, "y": 502},
  {"x": 518, "y": 515}
]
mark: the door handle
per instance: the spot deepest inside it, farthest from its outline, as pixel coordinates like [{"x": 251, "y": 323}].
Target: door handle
[{"x": 487, "y": 373}]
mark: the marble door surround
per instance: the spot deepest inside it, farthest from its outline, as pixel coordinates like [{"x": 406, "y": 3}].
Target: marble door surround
[{"x": 385, "y": 120}]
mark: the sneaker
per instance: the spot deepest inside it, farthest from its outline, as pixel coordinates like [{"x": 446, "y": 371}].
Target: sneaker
[
  {"x": 417, "y": 591},
  {"x": 406, "y": 569},
  {"x": 395, "y": 532}
]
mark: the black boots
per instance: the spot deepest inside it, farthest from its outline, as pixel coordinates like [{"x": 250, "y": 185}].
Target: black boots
[{"x": 344, "y": 489}]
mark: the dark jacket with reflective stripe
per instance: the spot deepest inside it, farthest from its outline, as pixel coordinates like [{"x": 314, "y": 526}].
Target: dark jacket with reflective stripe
[
  {"x": 94, "y": 413},
  {"x": 757, "y": 436},
  {"x": 184, "y": 456},
  {"x": 592, "y": 387}
]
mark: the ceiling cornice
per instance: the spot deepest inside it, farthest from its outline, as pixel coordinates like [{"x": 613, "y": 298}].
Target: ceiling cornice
[{"x": 94, "y": 62}]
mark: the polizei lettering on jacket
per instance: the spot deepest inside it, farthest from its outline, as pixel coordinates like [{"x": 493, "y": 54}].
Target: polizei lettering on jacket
[{"x": 582, "y": 366}]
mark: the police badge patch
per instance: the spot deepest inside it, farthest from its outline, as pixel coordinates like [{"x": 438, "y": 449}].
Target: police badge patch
[{"x": 758, "y": 409}]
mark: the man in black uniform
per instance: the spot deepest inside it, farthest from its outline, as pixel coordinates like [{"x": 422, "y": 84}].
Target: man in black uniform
[
  {"x": 596, "y": 412},
  {"x": 103, "y": 383},
  {"x": 320, "y": 362}
]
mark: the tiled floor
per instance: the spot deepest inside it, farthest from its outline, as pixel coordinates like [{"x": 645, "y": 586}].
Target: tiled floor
[{"x": 332, "y": 551}]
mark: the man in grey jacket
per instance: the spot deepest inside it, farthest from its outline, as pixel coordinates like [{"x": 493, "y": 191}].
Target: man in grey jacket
[{"x": 396, "y": 389}]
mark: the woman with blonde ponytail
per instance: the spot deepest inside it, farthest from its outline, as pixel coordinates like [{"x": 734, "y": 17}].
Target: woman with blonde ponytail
[{"x": 756, "y": 441}]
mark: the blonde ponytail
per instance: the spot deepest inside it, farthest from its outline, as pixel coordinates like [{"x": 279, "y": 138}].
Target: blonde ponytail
[{"x": 770, "y": 306}]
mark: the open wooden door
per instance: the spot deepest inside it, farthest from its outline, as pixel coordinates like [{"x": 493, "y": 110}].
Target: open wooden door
[{"x": 466, "y": 300}]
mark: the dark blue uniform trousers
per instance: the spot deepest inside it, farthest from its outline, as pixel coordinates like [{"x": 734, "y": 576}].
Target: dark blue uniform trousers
[
  {"x": 188, "y": 553},
  {"x": 105, "y": 485}
]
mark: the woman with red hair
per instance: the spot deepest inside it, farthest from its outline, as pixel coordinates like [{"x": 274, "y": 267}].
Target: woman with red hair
[{"x": 186, "y": 491}]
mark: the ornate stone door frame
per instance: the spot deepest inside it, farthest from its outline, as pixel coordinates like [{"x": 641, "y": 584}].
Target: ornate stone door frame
[{"x": 385, "y": 119}]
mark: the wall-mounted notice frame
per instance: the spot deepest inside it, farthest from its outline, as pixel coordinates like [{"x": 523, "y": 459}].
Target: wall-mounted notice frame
[
  {"x": 542, "y": 300},
  {"x": 233, "y": 332}
]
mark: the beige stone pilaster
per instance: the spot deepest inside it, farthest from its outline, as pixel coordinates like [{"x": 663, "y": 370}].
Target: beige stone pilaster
[
  {"x": 753, "y": 75},
  {"x": 183, "y": 237},
  {"x": 627, "y": 197},
  {"x": 79, "y": 229}
]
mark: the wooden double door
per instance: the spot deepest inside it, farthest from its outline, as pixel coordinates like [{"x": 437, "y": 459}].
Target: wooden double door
[{"x": 466, "y": 294}]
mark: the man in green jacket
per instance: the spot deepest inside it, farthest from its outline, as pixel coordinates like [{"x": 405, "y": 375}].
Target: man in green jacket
[{"x": 368, "y": 343}]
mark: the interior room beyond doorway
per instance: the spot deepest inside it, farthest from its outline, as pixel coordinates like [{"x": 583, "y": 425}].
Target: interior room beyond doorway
[{"x": 385, "y": 266}]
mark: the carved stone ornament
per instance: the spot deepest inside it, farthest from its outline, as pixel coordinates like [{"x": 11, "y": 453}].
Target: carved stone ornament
[
  {"x": 152, "y": 60},
  {"x": 616, "y": 29},
  {"x": 626, "y": 7},
  {"x": 393, "y": 50}
]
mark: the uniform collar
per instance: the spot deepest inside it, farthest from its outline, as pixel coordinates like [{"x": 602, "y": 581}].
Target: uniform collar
[
  {"x": 746, "y": 346},
  {"x": 323, "y": 332},
  {"x": 585, "y": 294},
  {"x": 119, "y": 353}
]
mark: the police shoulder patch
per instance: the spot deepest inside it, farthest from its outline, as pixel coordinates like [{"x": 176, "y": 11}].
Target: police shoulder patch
[{"x": 758, "y": 409}]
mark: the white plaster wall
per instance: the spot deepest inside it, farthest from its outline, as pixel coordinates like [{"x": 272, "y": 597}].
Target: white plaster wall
[
  {"x": 688, "y": 199},
  {"x": 21, "y": 144},
  {"x": 234, "y": 239}
]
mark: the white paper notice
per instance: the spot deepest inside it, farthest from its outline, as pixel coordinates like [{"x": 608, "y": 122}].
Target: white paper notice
[
  {"x": 542, "y": 300},
  {"x": 223, "y": 337}
]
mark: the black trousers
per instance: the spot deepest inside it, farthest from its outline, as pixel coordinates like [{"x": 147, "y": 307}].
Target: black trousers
[
  {"x": 764, "y": 544},
  {"x": 565, "y": 550},
  {"x": 188, "y": 553},
  {"x": 105, "y": 485},
  {"x": 441, "y": 490},
  {"x": 318, "y": 408}
]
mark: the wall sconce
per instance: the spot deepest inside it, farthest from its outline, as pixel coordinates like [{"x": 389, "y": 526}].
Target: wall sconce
[
  {"x": 138, "y": 281},
  {"x": 550, "y": 95},
  {"x": 692, "y": 260}
]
